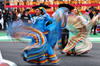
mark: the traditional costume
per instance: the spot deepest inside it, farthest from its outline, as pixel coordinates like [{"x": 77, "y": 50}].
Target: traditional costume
[
  {"x": 43, "y": 36},
  {"x": 79, "y": 29},
  {"x": 63, "y": 38}
]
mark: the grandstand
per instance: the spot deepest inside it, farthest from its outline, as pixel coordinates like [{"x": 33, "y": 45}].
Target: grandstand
[{"x": 79, "y": 4}]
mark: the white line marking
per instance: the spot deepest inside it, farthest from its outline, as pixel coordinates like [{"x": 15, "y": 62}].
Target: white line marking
[
  {"x": 6, "y": 37},
  {"x": 94, "y": 38}
]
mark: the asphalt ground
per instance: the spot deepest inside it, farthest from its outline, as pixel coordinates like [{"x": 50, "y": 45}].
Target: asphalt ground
[{"x": 12, "y": 51}]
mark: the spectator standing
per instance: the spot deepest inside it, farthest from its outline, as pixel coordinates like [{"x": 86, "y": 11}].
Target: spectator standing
[
  {"x": 25, "y": 17},
  {"x": 5, "y": 16},
  {"x": 1, "y": 19},
  {"x": 11, "y": 17},
  {"x": 18, "y": 14},
  {"x": 93, "y": 12}
]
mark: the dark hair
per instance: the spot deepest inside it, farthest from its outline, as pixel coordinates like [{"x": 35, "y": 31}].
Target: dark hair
[
  {"x": 97, "y": 11},
  {"x": 18, "y": 11},
  {"x": 15, "y": 9},
  {"x": 86, "y": 10},
  {"x": 24, "y": 12}
]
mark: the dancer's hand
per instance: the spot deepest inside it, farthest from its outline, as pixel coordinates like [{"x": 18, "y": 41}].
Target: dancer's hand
[{"x": 29, "y": 21}]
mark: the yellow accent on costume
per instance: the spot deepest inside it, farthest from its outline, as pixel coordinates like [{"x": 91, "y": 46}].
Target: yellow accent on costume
[{"x": 42, "y": 7}]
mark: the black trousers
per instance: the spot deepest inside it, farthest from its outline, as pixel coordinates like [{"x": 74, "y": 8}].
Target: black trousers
[
  {"x": 64, "y": 33},
  {"x": 94, "y": 28},
  {"x": 5, "y": 26}
]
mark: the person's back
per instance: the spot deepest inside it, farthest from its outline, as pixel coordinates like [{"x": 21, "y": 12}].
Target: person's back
[{"x": 14, "y": 16}]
